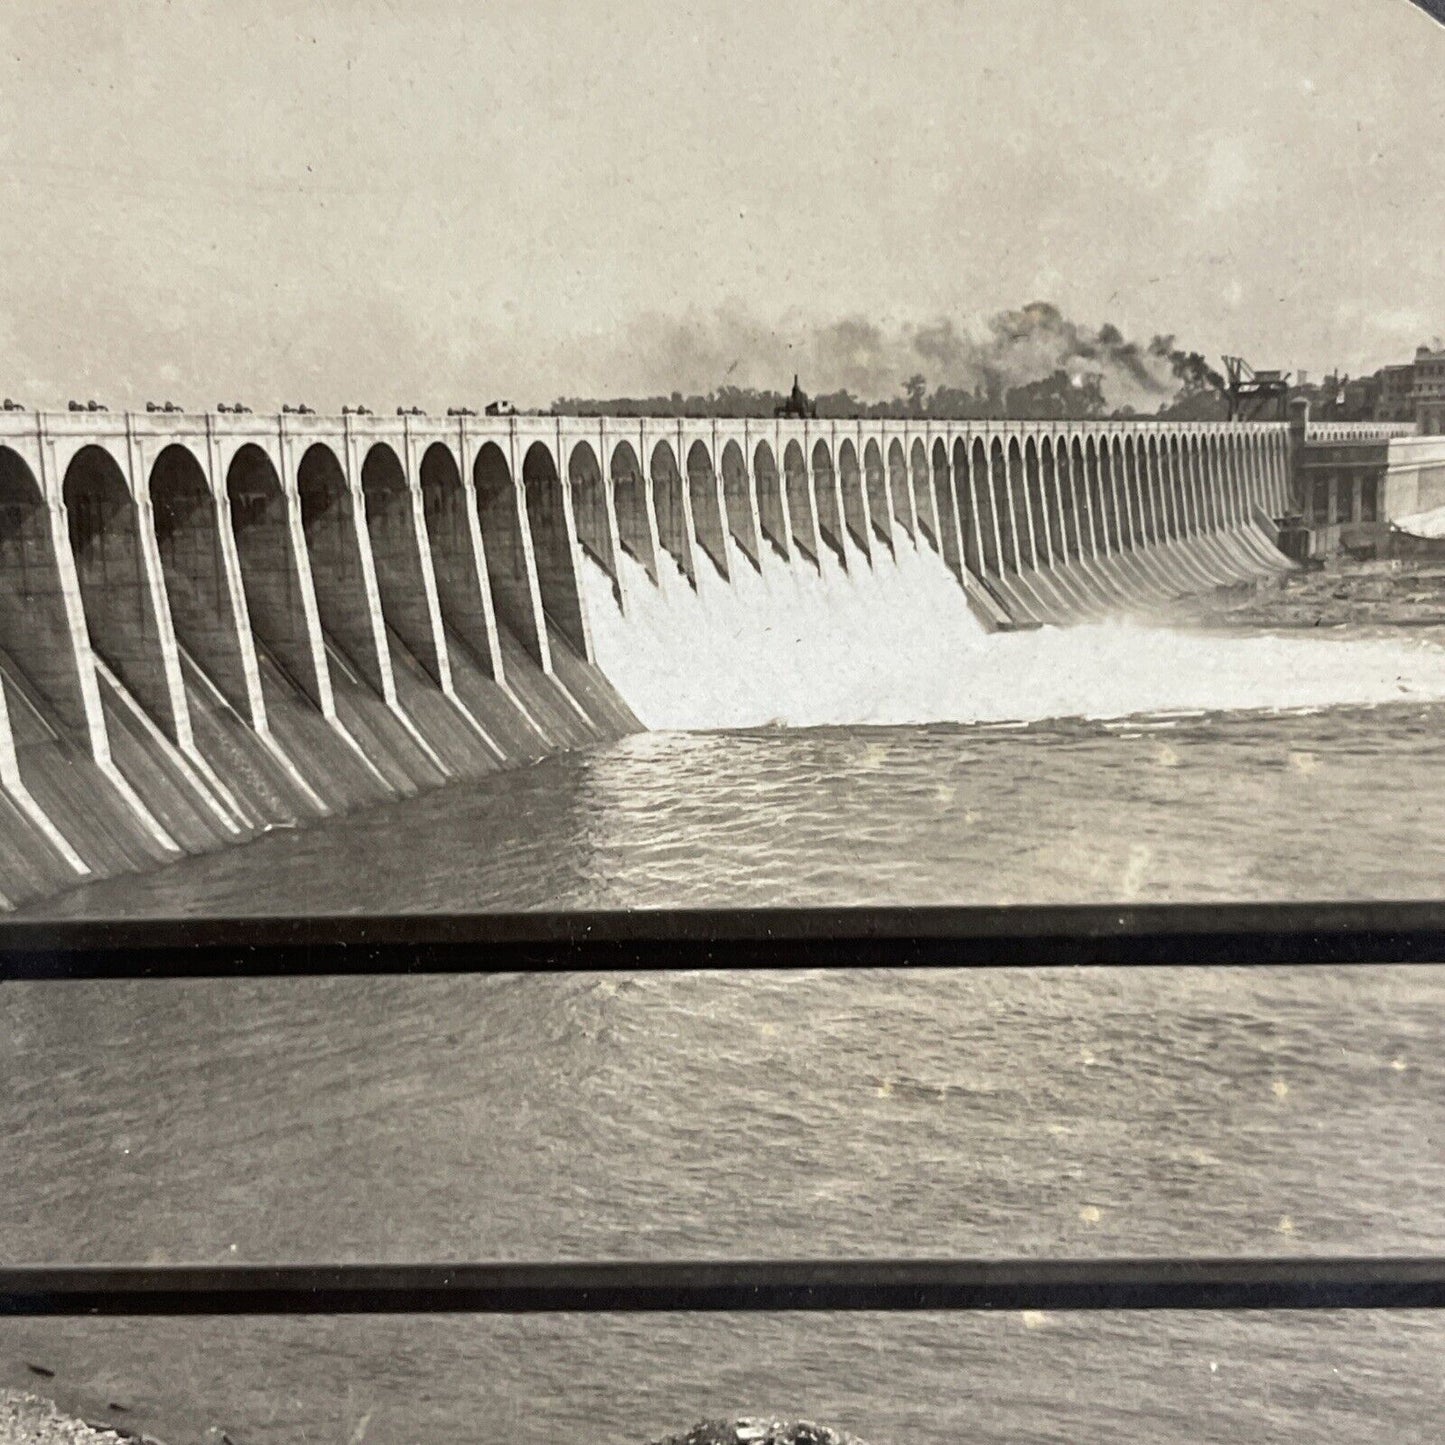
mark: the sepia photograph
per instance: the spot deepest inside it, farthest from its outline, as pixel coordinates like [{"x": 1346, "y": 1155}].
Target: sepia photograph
[{"x": 464, "y": 463}]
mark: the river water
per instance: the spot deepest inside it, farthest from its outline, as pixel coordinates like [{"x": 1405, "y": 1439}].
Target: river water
[
  {"x": 1035, "y": 1112},
  {"x": 831, "y": 738}
]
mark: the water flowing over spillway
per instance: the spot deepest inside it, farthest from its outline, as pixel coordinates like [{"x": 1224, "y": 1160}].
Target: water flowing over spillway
[
  {"x": 892, "y": 642},
  {"x": 213, "y": 627}
]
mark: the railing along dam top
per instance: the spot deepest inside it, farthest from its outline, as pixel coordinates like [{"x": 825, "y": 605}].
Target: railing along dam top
[{"x": 252, "y": 424}]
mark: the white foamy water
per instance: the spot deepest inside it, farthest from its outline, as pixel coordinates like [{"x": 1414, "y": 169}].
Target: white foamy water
[{"x": 895, "y": 643}]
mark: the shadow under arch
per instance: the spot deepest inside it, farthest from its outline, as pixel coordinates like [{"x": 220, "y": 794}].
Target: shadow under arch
[
  {"x": 1158, "y": 486},
  {"x": 923, "y": 511},
  {"x": 1101, "y": 502},
  {"x": 115, "y": 590},
  {"x": 589, "y": 512},
  {"x": 1179, "y": 488},
  {"x": 669, "y": 510},
  {"x": 1085, "y": 511},
  {"x": 850, "y": 488},
  {"x": 198, "y": 590},
  {"x": 800, "y": 502},
  {"x": 1003, "y": 505},
  {"x": 981, "y": 492},
  {"x": 825, "y": 498},
  {"x": 456, "y": 566},
  {"x": 899, "y": 489},
  {"x": 272, "y": 578},
  {"x": 552, "y": 547},
  {"x": 1058, "y": 496},
  {"x": 34, "y": 622},
  {"x": 945, "y": 509},
  {"x": 963, "y": 500},
  {"x": 1039, "y": 520},
  {"x": 629, "y": 500},
  {"x": 707, "y": 520},
  {"x": 1131, "y": 534},
  {"x": 737, "y": 504},
  {"x": 333, "y": 543},
  {"x": 772, "y": 515},
  {"x": 1021, "y": 513},
  {"x": 507, "y": 572},
  {"x": 397, "y": 560},
  {"x": 875, "y": 488}
]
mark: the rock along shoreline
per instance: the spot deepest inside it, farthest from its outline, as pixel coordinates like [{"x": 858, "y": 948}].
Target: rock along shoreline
[{"x": 28, "y": 1419}]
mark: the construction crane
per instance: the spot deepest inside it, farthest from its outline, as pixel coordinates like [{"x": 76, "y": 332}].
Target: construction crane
[{"x": 1254, "y": 395}]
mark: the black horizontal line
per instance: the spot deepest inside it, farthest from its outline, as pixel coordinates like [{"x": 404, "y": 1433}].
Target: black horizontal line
[
  {"x": 992, "y": 937},
  {"x": 731, "y": 938},
  {"x": 719, "y": 1285}
]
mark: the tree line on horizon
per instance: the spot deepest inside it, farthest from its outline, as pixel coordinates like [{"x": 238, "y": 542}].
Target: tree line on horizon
[{"x": 1058, "y": 396}]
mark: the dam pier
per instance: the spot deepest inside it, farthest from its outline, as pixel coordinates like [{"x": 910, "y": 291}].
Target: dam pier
[{"x": 215, "y": 624}]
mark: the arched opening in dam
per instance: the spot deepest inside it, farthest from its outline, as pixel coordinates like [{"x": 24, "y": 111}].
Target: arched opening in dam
[
  {"x": 1101, "y": 494},
  {"x": 629, "y": 499},
  {"x": 1002, "y": 508},
  {"x": 923, "y": 511},
  {"x": 1189, "y": 480},
  {"x": 198, "y": 590},
  {"x": 589, "y": 511},
  {"x": 671, "y": 514},
  {"x": 552, "y": 547},
  {"x": 1169, "y": 477},
  {"x": 1164, "y": 489},
  {"x": 272, "y": 576},
  {"x": 1178, "y": 494},
  {"x": 397, "y": 557},
  {"x": 707, "y": 521},
  {"x": 855, "y": 508},
  {"x": 1201, "y": 481},
  {"x": 115, "y": 585},
  {"x": 1156, "y": 522},
  {"x": 34, "y": 624},
  {"x": 738, "y": 504},
  {"x": 333, "y": 544},
  {"x": 1021, "y": 519},
  {"x": 1085, "y": 512},
  {"x": 1112, "y": 453},
  {"x": 1054, "y": 464},
  {"x": 455, "y": 563},
  {"x": 1214, "y": 483},
  {"x": 825, "y": 496},
  {"x": 899, "y": 488},
  {"x": 945, "y": 509},
  {"x": 875, "y": 484},
  {"x": 772, "y": 515},
  {"x": 506, "y": 553},
  {"x": 1136, "y": 484},
  {"x": 981, "y": 487},
  {"x": 1040, "y": 530},
  {"x": 964, "y": 504},
  {"x": 800, "y": 502}
]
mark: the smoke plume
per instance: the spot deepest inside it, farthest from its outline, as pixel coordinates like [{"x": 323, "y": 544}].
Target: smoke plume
[{"x": 1035, "y": 353}]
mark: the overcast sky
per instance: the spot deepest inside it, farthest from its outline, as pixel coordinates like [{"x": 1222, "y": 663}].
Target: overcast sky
[{"x": 439, "y": 202}]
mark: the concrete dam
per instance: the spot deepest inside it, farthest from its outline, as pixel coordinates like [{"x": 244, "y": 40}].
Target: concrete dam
[{"x": 213, "y": 625}]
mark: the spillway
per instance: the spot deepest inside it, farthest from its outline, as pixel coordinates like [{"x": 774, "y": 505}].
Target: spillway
[{"x": 216, "y": 625}]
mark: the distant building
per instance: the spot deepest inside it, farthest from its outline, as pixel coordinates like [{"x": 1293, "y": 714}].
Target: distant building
[
  {"x": 1394, "y": 399},
  {"x": 1427, "y": 394}
]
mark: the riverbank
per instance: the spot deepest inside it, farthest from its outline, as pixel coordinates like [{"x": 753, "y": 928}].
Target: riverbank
[{"x": 27, "y": 1419}]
